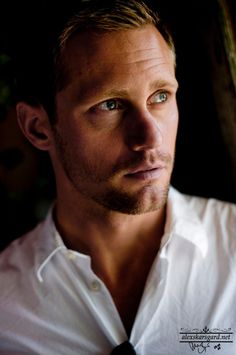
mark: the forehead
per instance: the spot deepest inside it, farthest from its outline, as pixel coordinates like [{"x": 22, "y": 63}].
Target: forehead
[
  {"x": 94, "y": 52},
  {"x": 97, "y": 63}
]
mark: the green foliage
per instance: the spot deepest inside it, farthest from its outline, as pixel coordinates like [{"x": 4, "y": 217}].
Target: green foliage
[
  {"x": 4, "y": 59},
  {"x": 5, "y": 94}
]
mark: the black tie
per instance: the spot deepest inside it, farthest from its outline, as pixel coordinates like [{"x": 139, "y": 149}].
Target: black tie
[{"x": 125, "y": 348}]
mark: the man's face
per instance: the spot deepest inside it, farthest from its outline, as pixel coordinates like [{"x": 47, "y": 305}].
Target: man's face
[{"x": 117, "y": 120}]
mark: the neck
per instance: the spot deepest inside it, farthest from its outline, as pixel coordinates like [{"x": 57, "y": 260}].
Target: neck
[
  {"x": 109, "y": 237},
  {"x": 116, "y": 243},
  {"x": 89, "y": 231},
  {"x": 122, "y": 249}
]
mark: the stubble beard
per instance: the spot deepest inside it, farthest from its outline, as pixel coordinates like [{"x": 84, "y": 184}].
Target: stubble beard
[
  {"x": 126, "y": 203},
  {"x": 112, "y": 198}
]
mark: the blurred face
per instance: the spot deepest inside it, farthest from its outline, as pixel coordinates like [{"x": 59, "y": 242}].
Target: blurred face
[{"x": 117, "y": 120}]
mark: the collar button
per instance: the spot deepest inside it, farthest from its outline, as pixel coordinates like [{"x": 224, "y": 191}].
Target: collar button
[{"x": 95, "y": 286}]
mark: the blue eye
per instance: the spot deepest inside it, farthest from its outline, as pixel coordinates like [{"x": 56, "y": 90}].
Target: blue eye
[
  {"x": 109, "y": 105},
  {"x": 159, "y": 97}
]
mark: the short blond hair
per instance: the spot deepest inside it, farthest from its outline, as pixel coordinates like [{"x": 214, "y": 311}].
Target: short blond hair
[
  {"x": 106, "y": 16},
  {"x": 113, "y": 16}
]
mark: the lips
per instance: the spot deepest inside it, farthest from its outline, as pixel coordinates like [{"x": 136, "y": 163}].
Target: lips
[{"x": 146, "y": 172}]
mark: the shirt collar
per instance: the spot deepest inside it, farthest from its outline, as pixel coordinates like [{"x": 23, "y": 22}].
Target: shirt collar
[
  {"x": 48, "y": 246},
  {"x": 50, "y": 243},
  {"x": 182, "y": 220}
]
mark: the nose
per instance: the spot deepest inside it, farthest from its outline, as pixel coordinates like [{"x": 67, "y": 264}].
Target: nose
[{"x": 143, "y": 132}]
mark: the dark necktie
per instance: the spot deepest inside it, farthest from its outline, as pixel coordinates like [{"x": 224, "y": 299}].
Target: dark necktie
[{"x": 125, "y": 348}]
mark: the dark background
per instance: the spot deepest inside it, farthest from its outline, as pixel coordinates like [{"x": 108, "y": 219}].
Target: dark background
[{"x": 203, "y": 165}]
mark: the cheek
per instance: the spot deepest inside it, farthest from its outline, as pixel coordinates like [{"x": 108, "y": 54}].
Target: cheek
[
  {"x": 170, "y": 129},
  {"x": 97, "y": 150}
]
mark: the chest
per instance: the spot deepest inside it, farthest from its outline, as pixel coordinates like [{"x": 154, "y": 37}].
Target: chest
[
  {"x": 183, "y": 299},
  {"x": 177, "y": 314}
]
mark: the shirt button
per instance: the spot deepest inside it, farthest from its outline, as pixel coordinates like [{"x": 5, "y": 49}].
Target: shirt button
[
  {"x": 95, "y": 286},
  {"x": 71, "y": 255}
]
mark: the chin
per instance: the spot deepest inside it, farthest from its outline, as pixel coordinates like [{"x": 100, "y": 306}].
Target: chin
[{"x": 148, "y": 200}]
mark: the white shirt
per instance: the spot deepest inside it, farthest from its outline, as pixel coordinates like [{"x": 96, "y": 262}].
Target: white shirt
[{"x": 52, "y": 303}]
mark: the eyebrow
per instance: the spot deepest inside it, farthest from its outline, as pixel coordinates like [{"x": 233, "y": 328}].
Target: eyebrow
[
  {"x": 164, "y": 83},
  {"x": 155, "y": 85}
]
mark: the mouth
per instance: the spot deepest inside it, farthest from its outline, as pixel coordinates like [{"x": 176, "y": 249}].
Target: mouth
[{"x": 146, "y": 173}]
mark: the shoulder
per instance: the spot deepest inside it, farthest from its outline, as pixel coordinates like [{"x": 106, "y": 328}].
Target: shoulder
[
  {"x": 20, "y": 250},
  {"x": 20, "y": 289},
  {"x": 210, "y": 210},
  {"x": 17, "y": 261},
  {"x": 206, "y": 208},
  {"x": 24, "y": 252},
  {"x": 18, "y": 285},
  {"x": 20, "y": 260},
  {"x": 217, "y": 218}
]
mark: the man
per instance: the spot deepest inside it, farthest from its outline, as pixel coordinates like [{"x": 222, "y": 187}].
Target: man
[{"x": 121, "y": 260}]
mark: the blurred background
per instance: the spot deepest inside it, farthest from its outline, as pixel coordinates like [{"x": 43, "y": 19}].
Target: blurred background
[{"x": 205, "y": 35}]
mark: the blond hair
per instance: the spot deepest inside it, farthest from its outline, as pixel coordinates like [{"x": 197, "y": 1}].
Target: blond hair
[{"x": 105, "y": 16}]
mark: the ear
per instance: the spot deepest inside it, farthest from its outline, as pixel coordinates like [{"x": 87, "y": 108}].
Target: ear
[{"x": 34, "y": 123}]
